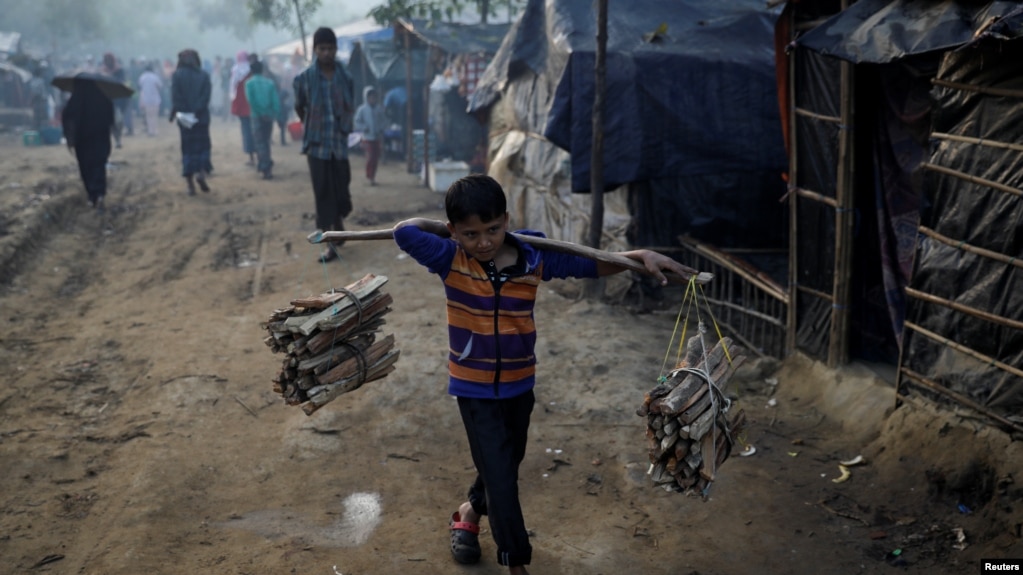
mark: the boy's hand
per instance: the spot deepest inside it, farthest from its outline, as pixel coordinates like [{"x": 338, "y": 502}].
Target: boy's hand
[
  {"x": 654, "y": 263},
  {"x": 657, "y": 264}
]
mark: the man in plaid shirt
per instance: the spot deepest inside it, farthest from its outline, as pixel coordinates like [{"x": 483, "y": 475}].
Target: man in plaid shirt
[{"x": 324, "y": 102}]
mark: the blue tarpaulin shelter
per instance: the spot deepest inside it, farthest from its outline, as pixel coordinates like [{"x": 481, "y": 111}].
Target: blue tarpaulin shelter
[
  {"x": 883, "y": 31},
  {"x": 691, "y": 112}
]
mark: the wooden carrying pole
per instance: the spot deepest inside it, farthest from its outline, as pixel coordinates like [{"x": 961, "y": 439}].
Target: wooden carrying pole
[{"x": 545, "y": 243}]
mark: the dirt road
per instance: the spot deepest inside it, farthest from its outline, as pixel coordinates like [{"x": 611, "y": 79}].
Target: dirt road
[{"x": 139, "y": 432}]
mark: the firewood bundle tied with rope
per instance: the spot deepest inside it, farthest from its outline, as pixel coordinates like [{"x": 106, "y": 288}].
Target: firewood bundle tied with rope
[
  {"x": 330, "y": 343},
  {"x": 688, "y": 429}
]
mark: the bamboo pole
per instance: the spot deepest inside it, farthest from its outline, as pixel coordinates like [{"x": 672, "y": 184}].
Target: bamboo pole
[
  {"x": 545, "y": 243},
  {"x": 816, "y": 196},
  {"x": 755, "y": 277},
  {"x": 739, "y": 337},
  {"x": 936, "y": 387},
  {"x": 819, "y": 294},
  {"x": 972, "y": 249},
  {"x": 822, "y": 117},
  {"x": 427, "y": 80},
  {"x": 963, "y": 349},
  {"x": 838, "y": 347},
  {"x": 744, "y": 310},
  {"x": 1003, "y": 321},
  {"x": 792, "y": 318},
  {"x": 1002, "y": 92},
  {"x": 594, "y": 289},
  {"x": 409, "y": 115},
  {"x": 971, "y": 178},
  {"x": 597, "y": 128},
  {"x": 978, "y": 141},
  {"x": 363, "y": 72}
]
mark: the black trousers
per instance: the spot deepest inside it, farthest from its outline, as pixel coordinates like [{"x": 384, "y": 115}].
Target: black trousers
[
  {"x": 330, "y": 189},
  {"x": 92, "y": 156},
  {"x": 497, "y": 430}
]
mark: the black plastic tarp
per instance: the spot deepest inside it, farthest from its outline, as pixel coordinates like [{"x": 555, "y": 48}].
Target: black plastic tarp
[
  {"x": 880, "y": 31},
  {"x": 385, "y": 62},
  {"x": 697, "y": 100},
  {"x": 972, "y": 215}
]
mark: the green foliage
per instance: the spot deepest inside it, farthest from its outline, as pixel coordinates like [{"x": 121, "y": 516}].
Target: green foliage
[
  {"x": 442, "y": 10},
  {"x": 283, "y": 14}
]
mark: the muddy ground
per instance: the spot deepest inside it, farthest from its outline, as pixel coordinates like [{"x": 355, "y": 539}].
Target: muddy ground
[{"x": 139, "y": 432}]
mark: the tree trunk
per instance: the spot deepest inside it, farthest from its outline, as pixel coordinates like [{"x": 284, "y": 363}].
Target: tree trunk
[{"x": 301, "y": 29}]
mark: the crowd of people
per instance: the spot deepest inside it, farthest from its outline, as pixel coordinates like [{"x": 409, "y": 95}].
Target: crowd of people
[
  {"x": 189, "y": 92},
  {"x": 151, "y": 80},
  {"x": 193, "y": 92}
]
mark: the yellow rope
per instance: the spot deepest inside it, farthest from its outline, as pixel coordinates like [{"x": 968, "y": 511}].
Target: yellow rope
[
  {"x": 688, "y": 299},
  {"x": 716, "y": 328},
  {"x": 681, "y": 344}
]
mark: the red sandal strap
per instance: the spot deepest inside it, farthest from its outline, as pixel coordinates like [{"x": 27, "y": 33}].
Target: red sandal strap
[{"x": 463, "y": 525}]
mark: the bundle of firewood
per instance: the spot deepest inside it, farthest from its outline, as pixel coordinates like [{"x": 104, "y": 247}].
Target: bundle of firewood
[
  {"x": 688, "y": 431},
  {"x": 330, "y": 343}
]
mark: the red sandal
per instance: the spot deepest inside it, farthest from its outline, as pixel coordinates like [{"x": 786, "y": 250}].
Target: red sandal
[{"x": 465, "y": 541}]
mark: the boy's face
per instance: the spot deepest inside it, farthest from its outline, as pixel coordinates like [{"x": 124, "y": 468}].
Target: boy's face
[{"x": 480, "y": 239}]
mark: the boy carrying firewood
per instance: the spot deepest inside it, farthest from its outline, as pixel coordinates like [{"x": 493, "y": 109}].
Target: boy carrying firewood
[{"x": 490, "y": 281}]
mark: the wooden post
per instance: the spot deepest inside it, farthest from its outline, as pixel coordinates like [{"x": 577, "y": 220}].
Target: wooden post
[
  {"x": 597, "y": 146},
  {"x": 409, "y": 162},
  {"x": 427, "y": 80},
  {"x": 838, "y": 341},
  {"x": 792, "y": 318},
  {"x": 363, "y": 71}
]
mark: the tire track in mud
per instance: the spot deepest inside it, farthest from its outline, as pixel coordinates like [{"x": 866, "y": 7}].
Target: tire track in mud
[
  {"x": 179, "y": 258},
  {"x": 59, "y": 419},
  {"x": 61, "y": 423},
  {"x": 50, "y": 206}
]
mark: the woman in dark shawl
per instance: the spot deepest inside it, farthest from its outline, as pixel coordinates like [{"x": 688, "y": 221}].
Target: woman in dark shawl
[
  {"x": 190, "y": 94},
  {"x": 87, "y": 120}
]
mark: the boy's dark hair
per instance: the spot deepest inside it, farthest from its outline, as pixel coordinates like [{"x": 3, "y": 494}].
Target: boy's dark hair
[{"x": 475, "y": 195}]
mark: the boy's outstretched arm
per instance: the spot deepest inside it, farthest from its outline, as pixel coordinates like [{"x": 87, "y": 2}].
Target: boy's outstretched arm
[
  {"x": 656, "y": 264},
  {"x": 435, "y": 227}
]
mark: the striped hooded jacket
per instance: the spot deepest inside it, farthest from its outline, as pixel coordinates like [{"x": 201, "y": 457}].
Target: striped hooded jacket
[{"x": 491, "y": 333}]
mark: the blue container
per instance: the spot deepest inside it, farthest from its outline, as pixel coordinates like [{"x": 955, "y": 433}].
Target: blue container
[{"x": 50, "y": 136}]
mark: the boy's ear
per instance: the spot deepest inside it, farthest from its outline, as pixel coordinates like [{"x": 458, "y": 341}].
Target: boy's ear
[{"x": 451, "y": 228}]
